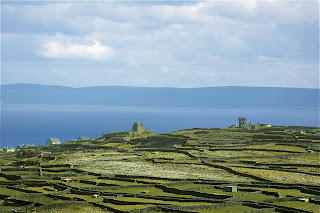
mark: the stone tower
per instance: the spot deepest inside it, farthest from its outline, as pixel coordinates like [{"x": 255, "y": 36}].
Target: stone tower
[
  {"x": 242, "y": 122},
  {"x": 137, "y": 127}
]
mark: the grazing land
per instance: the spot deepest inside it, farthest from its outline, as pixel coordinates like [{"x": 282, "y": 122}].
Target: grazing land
[{"x": 230, "y": 169}]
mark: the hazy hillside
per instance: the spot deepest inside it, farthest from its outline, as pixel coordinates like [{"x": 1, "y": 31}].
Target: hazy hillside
[{"x": 226, "y": 97}]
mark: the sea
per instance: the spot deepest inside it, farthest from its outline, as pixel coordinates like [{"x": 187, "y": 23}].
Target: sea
[{"x": 34, "y": 124}]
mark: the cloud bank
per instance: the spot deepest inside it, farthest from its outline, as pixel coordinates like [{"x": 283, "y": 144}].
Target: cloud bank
[
  {"x": 172, "y": 44},
  {"x": 66, "y": 49}
]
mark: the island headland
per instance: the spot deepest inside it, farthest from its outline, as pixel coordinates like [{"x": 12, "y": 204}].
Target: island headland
[{"x": 242, "y": 168}]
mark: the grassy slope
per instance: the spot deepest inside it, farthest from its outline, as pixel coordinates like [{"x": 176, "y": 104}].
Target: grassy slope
[{"x": 185, "y": 162}]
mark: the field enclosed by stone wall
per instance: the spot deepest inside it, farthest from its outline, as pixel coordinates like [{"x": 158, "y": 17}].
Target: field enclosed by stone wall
[{"x": 207, "y": 170}]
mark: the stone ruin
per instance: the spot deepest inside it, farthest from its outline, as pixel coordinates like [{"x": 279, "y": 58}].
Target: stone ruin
[
  {"x": 137, "y": 127},
  {"x": 243, "y": 124}
]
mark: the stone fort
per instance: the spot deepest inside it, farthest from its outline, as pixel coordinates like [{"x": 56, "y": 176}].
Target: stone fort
[
  {"x": 243, "y": 124},
  {"x": 137, "y": 127}
]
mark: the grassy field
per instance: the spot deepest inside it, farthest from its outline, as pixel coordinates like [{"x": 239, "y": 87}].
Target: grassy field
[
  {"x": 227, "y": 209},
  {"x": 221, "y": 192},
  {"x": 153, "y": 201},
  {"x": 256, "y": 197},
  {"x": 282, "y": 192},
  {"x": 300, "y": 205},
  {"x": 43, "y": 189},
  {"x": 151, "y": 191},
  {"x": 281, "y": 176},
  {"x": 10, "y": 192},
  {"x": 127, "y": 174},
  {"x": 188, "y": 186},
  {"x": 89, "y": 208},
  {"x": 42, "y": 199}
]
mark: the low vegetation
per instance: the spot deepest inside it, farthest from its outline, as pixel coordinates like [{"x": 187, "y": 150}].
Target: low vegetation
[{"x": 195, "y": 170}]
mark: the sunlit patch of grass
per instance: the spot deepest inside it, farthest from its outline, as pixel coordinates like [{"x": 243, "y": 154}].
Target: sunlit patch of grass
[
  {"x": 226, "y": 209},
  {"x": 238, "y": 153},
  {"x": 10, "y": 192},
  {"x": 86, "y": 197},
  {"x": 279, "y": 147},
  {"x": 111, "y": 144},
  {"x": 311, "y": 207},
  {"x": 83, "y": 177},
  {"x": 152, "y": 191},
  {"x": 47, "y": 180},
  {"x": 3, "y": 179},
  {"x": 22, "y": 173},
  {"x": 283, "y": 192},
  {"x": 281, "y": 176},
  {"x": 188, "y": 186},
  {"x": 220, "y": 191},
  {"x": 313, "y": 158},
  {"x": 43, "y": 189},
  {"x": 115, "y": 182},
  {"x": 188, "y": 161},
  {"x": 125, "y": 146},
  {"x": 154, "y": 180},
  {"x": 174, "y": 155},
  {"x": 146, "y": 200},
  {"x": 75, "y": 208},
  {"x": 7, "y": 157},
  {"x": 57, "y": 173},
  {"x": 256, "y": 197},
  {"x": 78, "y": 184},
  {"x": 127, "y": 207}
]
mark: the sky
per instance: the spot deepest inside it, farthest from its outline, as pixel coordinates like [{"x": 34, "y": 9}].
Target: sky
[{"x": 182, "y": 44}]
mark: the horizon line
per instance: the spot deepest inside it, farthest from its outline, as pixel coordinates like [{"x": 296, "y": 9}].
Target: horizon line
[{"x": 38, "y": 84}]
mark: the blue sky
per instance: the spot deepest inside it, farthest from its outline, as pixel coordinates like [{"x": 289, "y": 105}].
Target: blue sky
[{"x": 161, "y": 44}]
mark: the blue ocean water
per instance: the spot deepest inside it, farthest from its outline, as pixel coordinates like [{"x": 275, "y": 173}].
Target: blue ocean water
[{"x": 34, "y": 124}]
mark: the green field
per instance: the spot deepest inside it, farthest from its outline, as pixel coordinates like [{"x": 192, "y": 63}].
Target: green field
[{"x": 185, "y": 171}]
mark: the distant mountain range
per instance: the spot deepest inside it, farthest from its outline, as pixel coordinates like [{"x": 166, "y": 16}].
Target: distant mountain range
[{"x": 211, "y": 97}]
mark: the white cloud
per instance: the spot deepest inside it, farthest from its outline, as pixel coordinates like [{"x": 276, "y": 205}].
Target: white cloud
[
  {"x": 265, "y": 11},
  {"x": 180, "y": 44},
  {"x": 67, "y": 49}
]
